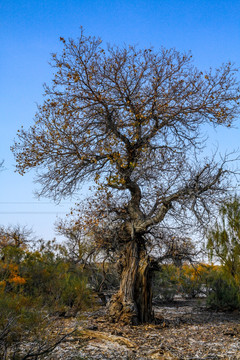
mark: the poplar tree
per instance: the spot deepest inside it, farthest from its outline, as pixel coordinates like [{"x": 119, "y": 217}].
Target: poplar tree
[{"x": 131, "y": 120}]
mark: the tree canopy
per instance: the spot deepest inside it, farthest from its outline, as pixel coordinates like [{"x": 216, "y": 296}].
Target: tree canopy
[{"x": 121, "y": 112}]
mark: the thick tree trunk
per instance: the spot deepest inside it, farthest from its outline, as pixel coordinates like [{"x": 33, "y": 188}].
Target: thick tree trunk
[{"x": 133, "y": 302}]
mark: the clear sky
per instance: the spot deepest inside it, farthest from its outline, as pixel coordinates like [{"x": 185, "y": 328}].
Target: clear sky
[{"x": 30, "y": 31}]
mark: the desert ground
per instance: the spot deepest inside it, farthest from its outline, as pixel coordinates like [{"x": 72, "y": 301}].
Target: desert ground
[{"x": 184, "y": 329}]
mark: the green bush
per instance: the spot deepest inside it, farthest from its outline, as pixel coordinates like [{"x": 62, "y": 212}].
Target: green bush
[
  {"x": 224, "y": 237},
  {"x": 44, "y": 275},
  {"x": 192, "y": 279},
  {"x": 188, "y": 281},
  {"x": 26, "y": 332},
  {"x": 224, "y": 294},
  {"x": 33, "y": 286},
  {"x": 73, "y": 291},
  {"x": 19, "y": 321},
  {"x": 165, "y": 283}
]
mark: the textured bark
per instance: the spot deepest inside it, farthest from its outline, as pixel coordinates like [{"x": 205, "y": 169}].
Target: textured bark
[
  {"x": 143, "y": 290},
  {"x": 133, "y": 302}
]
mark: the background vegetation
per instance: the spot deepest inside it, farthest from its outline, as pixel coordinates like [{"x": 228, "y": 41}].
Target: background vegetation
[{"x": 43, "y": 280}]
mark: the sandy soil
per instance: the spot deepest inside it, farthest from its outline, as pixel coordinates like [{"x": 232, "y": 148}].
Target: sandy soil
[{"x": 185, "y": 330}]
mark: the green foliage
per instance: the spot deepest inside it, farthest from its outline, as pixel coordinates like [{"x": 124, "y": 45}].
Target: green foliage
[
  {"x": 188, "y": 281},
  {"x": 224, "y": 238},
  {"x": 224, "y": 294},
  {"x": 35, "y": 284},
  {"x": 15, "y": 308},
  {"x": 165, "y": 283},
  {"x": 224, "y": 244},
  {"x": 193, "y": 279},
  {"x": 26, "y": 331},
  {"x": 19, "y": 321},
  {"x": 44, "y": 274},
  {"x": 190, "y": 285},
  {"x": 73, "y": 291}
]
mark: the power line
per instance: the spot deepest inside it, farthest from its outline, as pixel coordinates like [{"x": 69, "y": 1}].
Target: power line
[
  {"x": 31, "y": 202},
  {"x": 31, "y": 212}
]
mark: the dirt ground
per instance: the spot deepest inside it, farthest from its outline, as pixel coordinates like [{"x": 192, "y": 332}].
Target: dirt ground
[{"x": 185, "y": 330}]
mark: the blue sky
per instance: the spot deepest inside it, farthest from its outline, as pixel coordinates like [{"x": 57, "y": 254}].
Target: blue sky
[{"x": 30, "y": 31}]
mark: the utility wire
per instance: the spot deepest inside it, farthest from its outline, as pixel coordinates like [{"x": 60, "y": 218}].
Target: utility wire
[
  {"x": 31, "y": 212},
  {"x": 31, "y": 202}
]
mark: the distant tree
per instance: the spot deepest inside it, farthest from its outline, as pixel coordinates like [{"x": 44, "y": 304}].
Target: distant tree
[
  {"x": 177, "y": 249},
  {"x": 15, "y": 235},
  {"x": 79, "y": 248},
  {"x": 131, "y": 120},
  {"x": 224, "y": 237}
]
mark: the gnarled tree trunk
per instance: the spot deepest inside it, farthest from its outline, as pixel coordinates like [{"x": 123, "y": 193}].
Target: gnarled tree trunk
[{"x": 132, "y": 304}]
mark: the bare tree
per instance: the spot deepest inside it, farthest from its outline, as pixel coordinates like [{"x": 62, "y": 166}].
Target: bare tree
[
  {"x": 79, "y": 246},
  {"x": 131, "y": 120},
  {"x": 15, "y": 235}
]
